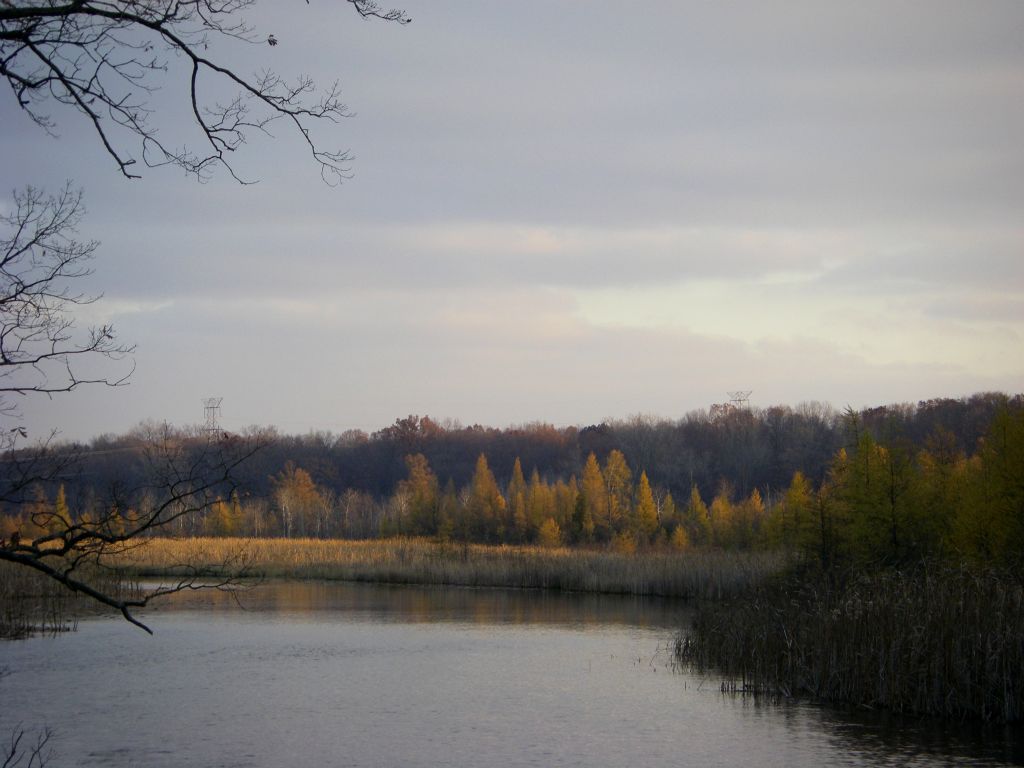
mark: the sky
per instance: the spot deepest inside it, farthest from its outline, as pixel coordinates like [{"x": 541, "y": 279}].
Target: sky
[{"x": 570, "y": 212}]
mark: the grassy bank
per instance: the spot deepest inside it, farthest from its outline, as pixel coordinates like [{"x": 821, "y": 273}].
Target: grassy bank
[
  {"x": 932, "y": 640},
  {"x": 707, "y": 574}
]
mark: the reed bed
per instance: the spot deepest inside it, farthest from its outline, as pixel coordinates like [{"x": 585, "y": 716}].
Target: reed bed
[
  {"x": 705, "y": 574},
  {"x": 934, "y": 640},
  {"x": 30, "y": 602}
]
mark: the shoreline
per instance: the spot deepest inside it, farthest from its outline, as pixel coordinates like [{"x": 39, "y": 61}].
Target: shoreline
[{"x": 688, "y": 575}]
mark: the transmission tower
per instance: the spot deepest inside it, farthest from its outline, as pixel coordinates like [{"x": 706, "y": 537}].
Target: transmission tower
[
  {"x": 212, "y": 407},
  {"x": 740, "y": 398}
]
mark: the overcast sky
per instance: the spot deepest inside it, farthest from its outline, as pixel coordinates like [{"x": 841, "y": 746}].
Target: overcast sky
[{"x": 573, "y": 211}]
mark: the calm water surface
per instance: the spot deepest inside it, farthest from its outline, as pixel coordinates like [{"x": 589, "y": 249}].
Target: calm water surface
[{"x": 359, "y": 675}]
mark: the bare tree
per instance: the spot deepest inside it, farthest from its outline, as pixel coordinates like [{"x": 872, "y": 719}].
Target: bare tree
[
  {"x": 40, "y": 354},
  {"x": 18, "y": 752},
  {"x": 79, "y": 546},
  {"x": 105, "y": 59},
  {"x": 40, "y": 350}
]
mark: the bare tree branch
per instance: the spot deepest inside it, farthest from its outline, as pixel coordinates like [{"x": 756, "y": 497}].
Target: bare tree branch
[
  {"x": 15, "y": 753},
  {"x": 41, "y": 352},
  {"x": 104, "y": 58},
  {"x": 185, "y": 475}
]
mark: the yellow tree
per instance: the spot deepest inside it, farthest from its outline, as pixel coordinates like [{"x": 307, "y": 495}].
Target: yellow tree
[
  {"x": 794, "y": 522},
  {"x": 485, "y": 506},
  {"x": 220, "y": 520},
  {"x": 549, "y": 535},
  {"x": 564, "y": 497},
  {"x": 618, "y": 480},
  {"x": 669, "y": 514},
  {"x": 646, "y": 513},
  {"x": 297, "y": 500},
  {"x": 591, "y": 514},
  {"x": 721, "y": 513},
  {"x": 519, "y": 522},
  {"x": 422, "y": 496},
  {"x": 697, "y": 518},
  {"x": 540, "y": 502},
  {"x": 748, "y": 517}
]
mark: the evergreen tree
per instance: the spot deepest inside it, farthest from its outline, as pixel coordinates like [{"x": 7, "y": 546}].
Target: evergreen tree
[
  {"x": 549, "y": 535},
  {"x": 593, "y": 518},
  {"x": 697, "y": 518},
  {"x": 422, "y": 493},
  {"x": 519, "y": 523},
  {"x": 486, "y": 506},
  {"x": 646, "y": 513}
]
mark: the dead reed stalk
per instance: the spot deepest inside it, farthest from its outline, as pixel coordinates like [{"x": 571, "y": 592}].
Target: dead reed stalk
[{"x": 934, "y": 640}]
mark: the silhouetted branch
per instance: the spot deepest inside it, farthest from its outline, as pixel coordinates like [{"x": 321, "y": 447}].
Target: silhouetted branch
[
  {"x": 17, "y": 753},
  {"x": 39, "y": 261},
  {"x": 104, "y": 59},
  {"x": 184, "y": 476}
]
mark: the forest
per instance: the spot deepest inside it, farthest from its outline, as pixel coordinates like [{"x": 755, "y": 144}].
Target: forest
[{"x": 885, "y": 485}]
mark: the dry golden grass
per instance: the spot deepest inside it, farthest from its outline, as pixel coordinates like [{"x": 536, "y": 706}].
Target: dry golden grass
[{"x": 686, "y": 574}]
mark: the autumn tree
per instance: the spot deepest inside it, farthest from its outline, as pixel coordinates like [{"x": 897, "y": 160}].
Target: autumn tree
[
  {"x": 645, "y": 516},
  {"x": 721, "y": 515},
  {"x": 590, "y": 512},
  {"x": 360, "y": 514},
  {"x": 485, "y": 505},
  {"x": 549, "y": 535},
  {"x": 618, "y": 480},
  {"x": 297, "y": 499},
  {"x": 668, "y": 513},
  {"x": 422, "y": 497},
  {"x": 566, "y": 496},
  {"x": 697, "y": 518},
  {"x": 990, "y": 523},
  {"x": 518, "y": 522},
  {"x": 793, "y": 522},
  {"x": 540, "y": 502}
]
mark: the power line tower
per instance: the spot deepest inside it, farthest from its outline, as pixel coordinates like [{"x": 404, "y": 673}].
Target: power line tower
[
  {"x": 740, "y": 398},
  {"x": 212, "y": 408}
]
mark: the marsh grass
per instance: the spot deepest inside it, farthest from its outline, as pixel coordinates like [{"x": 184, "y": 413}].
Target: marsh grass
[
  {"x": 707, "y": 574},
  {"x": 933, "y": 640},
  {"x": 31, "y": 603}
]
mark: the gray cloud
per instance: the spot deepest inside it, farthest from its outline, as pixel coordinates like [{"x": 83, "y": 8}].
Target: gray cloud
[
  {"x": 512, "y": 155},
  {"x": 513, "y": 361}
]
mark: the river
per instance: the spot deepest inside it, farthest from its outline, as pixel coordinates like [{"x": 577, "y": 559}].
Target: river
[{"x": 333, "y": 674}]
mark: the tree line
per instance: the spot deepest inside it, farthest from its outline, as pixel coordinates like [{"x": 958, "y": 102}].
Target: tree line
[
  {"x": 884, "y": 485},
  {"x": 750, "y": 448}
]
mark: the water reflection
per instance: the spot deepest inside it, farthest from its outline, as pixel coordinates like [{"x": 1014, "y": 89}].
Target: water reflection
[
  {"x": 323, "y": 674},
  {"x": 417, "y": 605},
  {"x": 865, "y": 737},
  {"x": 907, "y": 740}
]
